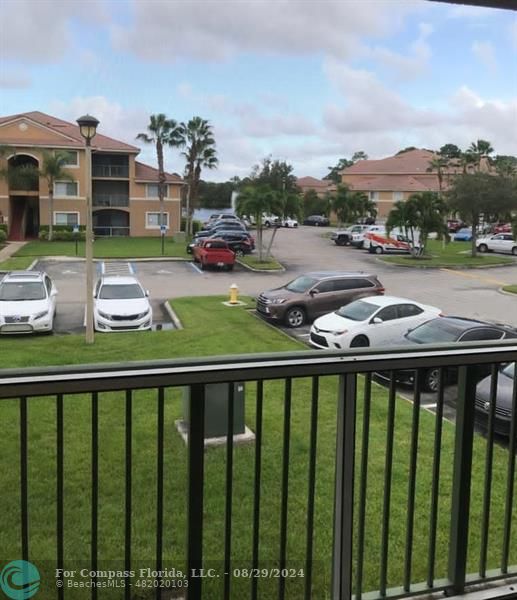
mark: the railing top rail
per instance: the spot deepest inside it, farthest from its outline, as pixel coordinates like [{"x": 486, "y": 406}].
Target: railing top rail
[{"x": 38, "y": 381}]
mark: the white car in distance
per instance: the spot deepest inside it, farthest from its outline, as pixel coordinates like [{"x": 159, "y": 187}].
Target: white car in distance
[
  {"x": 27, "y": 302},
  {"x": 375, "y": 321},
  {"x": 120, "y": 303},
  {"x": 500, "y": 242}
]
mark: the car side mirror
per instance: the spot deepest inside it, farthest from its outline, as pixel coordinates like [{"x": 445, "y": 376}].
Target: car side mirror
[
  {"x": 376, "y": 320},
  {"x": 54, "y": 292},
  {"x": 147, "y": 293},
  {"x": 314, "y": 292}
]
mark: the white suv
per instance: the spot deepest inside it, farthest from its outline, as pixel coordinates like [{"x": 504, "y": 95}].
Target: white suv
[
  {"x": 27, "y": 302},
  {"x": 121, "y": 304}
]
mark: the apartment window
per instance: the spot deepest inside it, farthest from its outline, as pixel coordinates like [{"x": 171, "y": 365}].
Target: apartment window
[
  {"x": 152, "y": 220},
  {"x": 397, "y": 196},
  {"x": 152, "y": 190},
  {"x": 66, "y": 218},
  {"x": 72, "y": 159},
  {"x": 374, "y": 196},
  {"x": 66, "y": 188}
]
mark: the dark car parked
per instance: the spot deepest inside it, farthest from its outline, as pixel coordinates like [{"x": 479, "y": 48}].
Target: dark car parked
[
  {"x": 226, "y": 225},
  {"x": 317, "y": 221},
  {"x": 230, "y": 236},
  {"x": 446, "y": 330},
  {"x": 503, "y": 399},
  {"x": 314, "y": 294}
]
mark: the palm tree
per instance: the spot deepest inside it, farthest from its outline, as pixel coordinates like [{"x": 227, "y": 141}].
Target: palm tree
[
  {"x": 428, "y": 210},
  {"x": 53, "y": 168},
  {"x": 342, "y": 205},
  {"x": 161, "y": 132},
  {"x": 440, "y": 165},
  {"x": 403, "y": 216},
  {"x": 480, "y": 149},
  {"x": 255, "y": 201},
  {"x": 197, "y": 138}
]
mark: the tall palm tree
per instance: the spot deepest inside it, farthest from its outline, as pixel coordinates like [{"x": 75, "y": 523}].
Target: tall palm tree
[
  {"x": 439, "y": 164},
  {"x": 255, "y": 200},
  {"x": 480, "y": 149},
  {"x": 53, "y": 168},
  {"x": 200, "y": 152},
  {"x": 161, "y": 132}
]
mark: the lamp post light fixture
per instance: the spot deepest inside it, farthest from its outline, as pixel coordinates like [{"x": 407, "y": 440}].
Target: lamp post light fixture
[{"x": 88, "y": 129}]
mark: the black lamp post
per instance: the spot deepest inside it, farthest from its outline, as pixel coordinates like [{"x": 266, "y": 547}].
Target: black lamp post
[{"x": 88, "y": 129}]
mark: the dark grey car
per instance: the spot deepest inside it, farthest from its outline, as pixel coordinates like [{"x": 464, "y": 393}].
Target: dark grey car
[
  {"x": 503, "y": 399},
  {"x": 314, "y": 294}
]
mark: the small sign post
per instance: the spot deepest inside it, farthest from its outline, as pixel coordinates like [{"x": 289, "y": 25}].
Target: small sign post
[
  {"x": 75, "y": 231},
  {"x": 163, "y": 231}
]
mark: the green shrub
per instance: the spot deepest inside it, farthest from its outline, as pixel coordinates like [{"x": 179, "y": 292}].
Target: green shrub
[
  {"x": 61, "y": 233},
  {"x": 196, "y": 225},
  {"x": 3, "y": 236},
  {"x": 3, "y": 227}
]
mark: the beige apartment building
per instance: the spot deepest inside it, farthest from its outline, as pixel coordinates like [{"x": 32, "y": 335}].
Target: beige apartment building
[
  {"x": 388, "y": 180},
  {"x": 124, "y": 190}
]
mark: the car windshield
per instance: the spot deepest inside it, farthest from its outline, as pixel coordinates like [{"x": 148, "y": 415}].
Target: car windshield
[
  {"x": 301, "y": 284},
  {"x": 435, "y": 331},
  {"x": 509, "y": 370},
  {"x": 121, "y": 291},
  {"x": 358, "y": 310},
  {"x": 22, "y": 290}
]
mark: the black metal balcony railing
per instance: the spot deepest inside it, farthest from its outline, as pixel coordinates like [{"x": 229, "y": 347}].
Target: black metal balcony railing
[
  {"x": 110, "y": 200},
  {"x": 358, "y": 414},
  {"x": 105, "y": 231},
  {"x": 110, "y": 171}
]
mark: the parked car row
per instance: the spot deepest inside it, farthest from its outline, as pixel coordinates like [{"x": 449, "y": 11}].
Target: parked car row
[{"x": 28, "y": 304}]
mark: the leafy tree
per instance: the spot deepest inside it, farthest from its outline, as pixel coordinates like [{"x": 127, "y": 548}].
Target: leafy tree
[
  {"x": 359, "y": 155},
  {"x": 276, "y": 174},
  {"x": 505, "y": 165},
  {"x": 334, "y": 172},
  {"x": 475, "y": 194},
  {"x": 449, "y": 151},
  {"x": 408, "y": 149},
  {"x": 342, "y": 205},
  {"x": 362, "y": 206},
  {"x": 197, "y": 138},
  {"x": 480, "y": 149},
  {"x": 312, "y": 204},
  {"x": 53, "y": 168},
  {"x": 161, "y": 132},
  {"x": 403, "y": 216},
  {"x": 216, "y": 195}
]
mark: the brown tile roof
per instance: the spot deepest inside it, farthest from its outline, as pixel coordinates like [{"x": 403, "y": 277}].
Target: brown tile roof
[
  {"x": 312, "y": 182},
  {"x": 70, "y": 132},
  {"x": 412, "y": 162},
  {"x": 395, "y": 183},
  {"x": 147, "y": 173}
]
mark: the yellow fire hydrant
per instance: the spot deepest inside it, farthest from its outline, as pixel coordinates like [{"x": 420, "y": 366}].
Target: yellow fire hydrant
[{"x": 234, "y": 294}]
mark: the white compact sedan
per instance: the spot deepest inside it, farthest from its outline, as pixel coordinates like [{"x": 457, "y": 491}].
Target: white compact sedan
[
  {"x": 121, "y": 304},
  {"x": 374, "y": 321},
  {"x": 27, "y": 302},
  {"x": 500, "y": 242}
]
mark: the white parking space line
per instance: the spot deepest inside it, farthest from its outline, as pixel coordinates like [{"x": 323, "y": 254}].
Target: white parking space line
[
  {"x": 196, "y": 268},
  {"x": 132, "y": 268}
]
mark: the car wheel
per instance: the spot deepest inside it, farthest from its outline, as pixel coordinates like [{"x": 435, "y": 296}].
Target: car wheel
[
  {"x": 340, "y": 242},
  {"x": 514, "y": 250},
  {"x": 483, "y": 248},
  {"x": 239, "y": 252},
  {"x": 316, "y": 224},
  {"x": 295, "y": 317},
  {"x": 431, "y": 380},
  {"x": 360, "y": 341},
  {"x": 267, "y": 224},
  {"x": 202, "y": 266},
  {"x": 378, "y": 250},
  {"x": 229, "y": 267}
]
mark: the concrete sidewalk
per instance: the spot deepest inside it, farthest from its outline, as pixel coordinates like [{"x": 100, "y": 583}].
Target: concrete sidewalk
[{"x": 9, "y": 249}]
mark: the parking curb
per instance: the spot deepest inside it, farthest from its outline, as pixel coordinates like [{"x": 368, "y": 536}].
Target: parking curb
[
  {"x": 125, "y": 258},
  {"x": 281, "y": 270},
  {"x": 502, "y": 291},
  {"x": 173, "y": 316},
  {"x": 457, "y": 267}
]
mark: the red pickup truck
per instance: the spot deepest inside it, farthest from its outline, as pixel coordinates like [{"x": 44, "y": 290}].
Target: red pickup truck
[{"x": 214, "y": 252}]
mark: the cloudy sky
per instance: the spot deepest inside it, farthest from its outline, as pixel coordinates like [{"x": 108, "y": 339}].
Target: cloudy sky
[{"x": 307, "y": 81}]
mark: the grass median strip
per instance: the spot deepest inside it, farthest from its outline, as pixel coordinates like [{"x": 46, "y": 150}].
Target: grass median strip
[
  {"x": 510, "y": 288},
  {"x": 212, "y": 328},
  {"x": 16, "y": 263},
  {"x": 263, "y": 265}
]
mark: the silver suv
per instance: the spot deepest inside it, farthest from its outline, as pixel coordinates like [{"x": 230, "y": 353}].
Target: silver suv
[{"x": 314, "y": 294}]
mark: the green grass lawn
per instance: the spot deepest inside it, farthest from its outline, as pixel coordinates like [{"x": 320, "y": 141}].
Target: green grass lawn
[
  {"x": 16, "y": 263},
  {"x": 266, "y": 265},
  {"x": 454, "y": 254},
  {"x": 212, "y": 328},
  {"x": 122, "y": 247},
  {"x": 510, "y": 288}
]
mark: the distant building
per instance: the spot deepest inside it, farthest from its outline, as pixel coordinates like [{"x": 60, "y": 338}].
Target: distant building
[
  {"x": 124, "y": 191},
  {"x": 320, "y": 186}
]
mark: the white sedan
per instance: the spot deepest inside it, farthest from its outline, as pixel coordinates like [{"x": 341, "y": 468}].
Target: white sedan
[
  {"x": 121, "y": 304},
  {"x": 500, "y": 242},
  {"x": 375, "y": 321}
]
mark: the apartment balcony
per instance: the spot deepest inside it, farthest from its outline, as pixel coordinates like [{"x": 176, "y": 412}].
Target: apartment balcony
[
  {"x": 113, "y": 171},
  {"x": 353, "y": 492},
  {"x": 110, "y": 200}
]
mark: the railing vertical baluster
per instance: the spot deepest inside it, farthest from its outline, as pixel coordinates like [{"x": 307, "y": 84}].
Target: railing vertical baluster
[
  {"x": 95, "y": 489},
  {"x": 285, "y": 485},
  {"x": 229, "y": 495},
  {"x": 344, "y": 489},
  {"x": 460, "y": 507},
  {"x": 388, "y": 465},
  {"x": 311, "y": 487},
  {"x": 436, "y": 479},
  {"x": 412, "y": 482},
  {"x": 59, "y": 490},
  {"x": 196, "y": 450},
  {"x": 363, "y": 483},
  {"x": 24, "y": 479},
  {"x": 512, "y": 449},
  {"x": 159, "y": 487},
  {"x": 129, "y": 436},
  {"x": 256, "y": 495},
  {"x": 485, "y": 520}
]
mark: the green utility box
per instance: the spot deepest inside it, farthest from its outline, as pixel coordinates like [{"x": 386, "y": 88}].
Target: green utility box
[{"x": 216, "y": 408}]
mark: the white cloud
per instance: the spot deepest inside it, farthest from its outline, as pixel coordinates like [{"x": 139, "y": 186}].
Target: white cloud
[
  {"x": 167, "y": 31},
  {"x": 512, "y": 33},
  {"x": 485, "y": 53},
  {"x": 38, "y": 31},
  {"x": 12, "y": 80}
]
